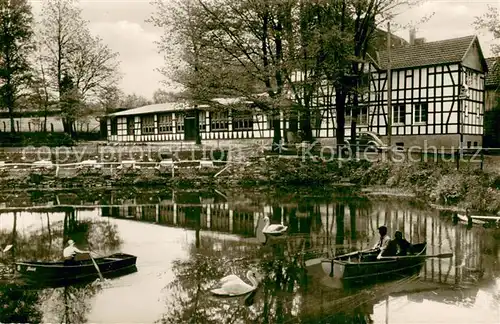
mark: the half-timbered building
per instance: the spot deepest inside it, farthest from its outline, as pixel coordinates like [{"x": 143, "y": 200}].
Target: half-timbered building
[
  {"x": 438, "y": 99},
  {"x": 438, "y": 93}
]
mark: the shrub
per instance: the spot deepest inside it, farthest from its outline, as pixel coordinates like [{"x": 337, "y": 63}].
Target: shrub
[
  {"x": 36, "y": 139},
  {"x": 449, "y": 189}
]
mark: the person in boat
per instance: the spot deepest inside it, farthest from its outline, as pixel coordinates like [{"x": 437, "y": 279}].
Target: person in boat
[
  {"x": 397, "y": 247},
  {"x": 384, "y": 240},
  {"x": 70, "y": 252}
]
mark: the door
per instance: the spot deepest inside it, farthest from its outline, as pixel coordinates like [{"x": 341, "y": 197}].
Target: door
[{"x": 189, "y": 128}]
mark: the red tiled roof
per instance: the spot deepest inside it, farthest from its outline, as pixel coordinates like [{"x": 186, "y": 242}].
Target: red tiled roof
[{"x": 440, "y": 52}]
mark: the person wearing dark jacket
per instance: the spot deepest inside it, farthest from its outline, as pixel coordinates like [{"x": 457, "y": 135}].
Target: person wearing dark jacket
[{"x": 397, "y": 247}]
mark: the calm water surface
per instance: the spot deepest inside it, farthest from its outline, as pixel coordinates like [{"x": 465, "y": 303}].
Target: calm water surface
[{"x": 185, "y": 241}]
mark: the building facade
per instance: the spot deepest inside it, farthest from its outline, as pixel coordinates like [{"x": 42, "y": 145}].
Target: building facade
[
  {"x": 438, "y": 93},
  {"x": 438, "y": 99},
  {"x": 170, "y": 122}
]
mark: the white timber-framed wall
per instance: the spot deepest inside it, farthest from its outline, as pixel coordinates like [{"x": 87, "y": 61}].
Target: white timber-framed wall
[{"x": 171, "y": 122}]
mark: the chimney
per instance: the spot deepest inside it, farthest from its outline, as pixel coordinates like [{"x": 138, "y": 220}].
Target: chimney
[
  {"x": 419, "y": 41},
  {"x": 413, "y": 36}
]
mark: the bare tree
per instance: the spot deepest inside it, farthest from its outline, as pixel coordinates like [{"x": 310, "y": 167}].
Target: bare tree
[
  {"x": 40, "y": 96},
  {"x": 70, "y": 50}
]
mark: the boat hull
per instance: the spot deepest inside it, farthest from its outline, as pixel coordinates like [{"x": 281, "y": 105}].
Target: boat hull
[
  {"x": 57, "y": 274},
  {"x": 352, "y": 269}
]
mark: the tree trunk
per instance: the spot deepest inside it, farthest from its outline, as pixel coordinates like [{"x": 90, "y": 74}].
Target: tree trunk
[
  {"x": 14, "y": 237},
  {"x": 340, "y": 97},
  {"x": 44, "y": 125},
  {"x": 354, "y": 121},
  {"x": 197, "y": 126},
  {"x": 12, "y": 122},
  {"x": 305, "y": 125},
  {"x": 276, "y": 146}
]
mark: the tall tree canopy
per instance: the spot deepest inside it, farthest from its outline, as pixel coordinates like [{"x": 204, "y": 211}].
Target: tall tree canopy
[
  {"x": 15, "y": 47},
  {"x": 277, "y": 54}
]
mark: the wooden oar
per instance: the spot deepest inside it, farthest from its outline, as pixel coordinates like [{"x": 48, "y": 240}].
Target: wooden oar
[
  {"x": 96, "y": 267},
  {"x": 440, "y": 256},
  {"x": 356, "y": 253}
]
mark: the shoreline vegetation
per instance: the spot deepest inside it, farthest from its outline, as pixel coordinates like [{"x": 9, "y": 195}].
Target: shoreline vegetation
[{"x": 434, "y": 183}]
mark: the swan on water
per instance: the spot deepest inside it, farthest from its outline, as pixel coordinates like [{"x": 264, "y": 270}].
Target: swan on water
[
  {"x": 274, "y": 229},
  {"x": 232, "y": 285}
]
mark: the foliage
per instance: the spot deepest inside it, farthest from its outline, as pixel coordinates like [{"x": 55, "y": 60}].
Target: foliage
[
  {"x": 19, "y": 305},
  {"x": 15, "y": 47},
  {"x": 491, "y": 129},
  {"x": 35, "y": 139},
  {"x": 134, "y": 101},
  {"x": 162, "y": 96},
  {"x": 272, "y": 53},
  {"x": 490, "y": 21}
]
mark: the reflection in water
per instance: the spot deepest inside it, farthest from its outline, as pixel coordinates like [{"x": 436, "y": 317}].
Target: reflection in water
[
  {"x": 225, "y": 238},
  {"x": 69, "y": 304}
]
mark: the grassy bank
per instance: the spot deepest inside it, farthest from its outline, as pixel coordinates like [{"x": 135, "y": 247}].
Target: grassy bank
[{"x": 438, "y": 183}]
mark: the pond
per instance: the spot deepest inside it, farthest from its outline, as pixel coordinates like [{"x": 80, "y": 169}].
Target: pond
[{"x": 186, "y": 241}]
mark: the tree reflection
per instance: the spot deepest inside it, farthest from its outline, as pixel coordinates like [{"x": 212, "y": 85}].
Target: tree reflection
[
  {"x": 189, "y": 301},
  {"x": 280, "y": 268},
  {"x": 69, "y": 304}
]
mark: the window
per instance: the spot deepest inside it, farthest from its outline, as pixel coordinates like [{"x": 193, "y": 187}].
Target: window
[
  {"x": 242, "y": 120},
  {"x": 219, "y": 120},
  {"x": 316, "y": 119},
  {"x": 179, "y": 118},
  {"x": 348, "y": 112},
  {"x": 398, "y": 114},
  {"x": 270, "y": 121},
  {"x": 363, "y": 115},
  {"x": 202, "y": 121},
  {"x": 147, "y": 125},
  {"x": 420, "y": 113},
  {"x": 165, "y": 123},
  {"x": 130, "y": 125},
  {"x": 114, "y": 126}
]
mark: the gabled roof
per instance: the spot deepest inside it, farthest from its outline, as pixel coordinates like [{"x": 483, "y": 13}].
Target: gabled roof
[
  {"x": 493, "y": 76},
  {"x": 180, "y": 106},
  {"x": 149, "y": 109},
  {"x": 432, "y": 53}
]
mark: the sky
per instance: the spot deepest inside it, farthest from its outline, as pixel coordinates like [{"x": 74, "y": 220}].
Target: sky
[{"x": 122, "y": 26}]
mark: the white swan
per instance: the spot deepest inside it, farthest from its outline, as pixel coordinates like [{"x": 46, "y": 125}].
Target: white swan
[
  {"x": 275, "y": 229},
  {"x": 233, "y": 286}
]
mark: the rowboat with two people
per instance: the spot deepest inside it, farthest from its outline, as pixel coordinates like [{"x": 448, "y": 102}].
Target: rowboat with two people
[{"x": 379, "y": 262}]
